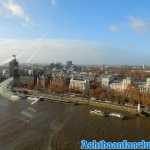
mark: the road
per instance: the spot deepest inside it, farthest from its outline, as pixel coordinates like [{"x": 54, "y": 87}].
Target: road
[{"x": 28, "y": 126}]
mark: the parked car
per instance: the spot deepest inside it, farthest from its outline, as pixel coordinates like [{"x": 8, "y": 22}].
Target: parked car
[
  {"x": 93, "y": 98},
  {"x": 107, "y": 101}
]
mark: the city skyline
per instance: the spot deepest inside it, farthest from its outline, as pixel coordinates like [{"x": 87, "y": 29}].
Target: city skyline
[{"x": 86, "y": 32}]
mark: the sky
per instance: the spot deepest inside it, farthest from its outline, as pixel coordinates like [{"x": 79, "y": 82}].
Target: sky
[{"x": 84, "y": 31}]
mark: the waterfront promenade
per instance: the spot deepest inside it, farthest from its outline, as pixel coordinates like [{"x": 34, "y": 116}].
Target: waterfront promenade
[
  {"x": 5, "y": 91},
  {"x": 77, "y": 100}
]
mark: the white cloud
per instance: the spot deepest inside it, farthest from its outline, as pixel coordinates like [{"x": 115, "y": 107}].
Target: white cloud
[
  {"x": 138, "y": 24},
  {"x": 50, "y": 50},
  {"x": 15, "y": 9},
  {"x": 79, "y": 51},
  {"x": 114, "y": 28}
]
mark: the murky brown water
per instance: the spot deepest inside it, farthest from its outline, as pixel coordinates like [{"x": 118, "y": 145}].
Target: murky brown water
[
  {"x": 84, "y": 126},
  {"x": 34, "y": 127}
]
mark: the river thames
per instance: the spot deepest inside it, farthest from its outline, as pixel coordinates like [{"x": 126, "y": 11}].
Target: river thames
[{"x": 58, "y": 126}]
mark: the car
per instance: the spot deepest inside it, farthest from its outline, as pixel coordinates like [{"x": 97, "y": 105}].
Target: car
[
  {"x": 98, "y": 100},
  {"x": 93, "y": 98},
  {"x": 128, "y": 105},
  {"x": 107, "y": 101},
  {"x": 72, "y": 95}
]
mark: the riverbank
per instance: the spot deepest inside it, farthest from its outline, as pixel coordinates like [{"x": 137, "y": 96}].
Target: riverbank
[
  {"x": 132, "y": 111},
  {"x": 77, "y": 100}
]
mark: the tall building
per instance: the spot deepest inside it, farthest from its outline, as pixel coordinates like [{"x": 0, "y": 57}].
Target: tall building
[
  {"x": 68, "y": 64},
  {"x": 14, "y": 70}
]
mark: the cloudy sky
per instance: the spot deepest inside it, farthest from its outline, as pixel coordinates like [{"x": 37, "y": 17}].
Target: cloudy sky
[{"x": 85, "y": 31}]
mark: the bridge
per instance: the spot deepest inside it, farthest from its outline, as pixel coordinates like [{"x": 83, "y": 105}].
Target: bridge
[{"x": 6, "y": 92}]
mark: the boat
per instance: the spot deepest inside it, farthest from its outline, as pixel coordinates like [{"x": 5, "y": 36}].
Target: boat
[
  {"x": 32, "y": 98},
  {"x": 41, "y": 98},
  {"x": 97, "y": 112},
  {"x": 117, "y": 115},
  {"x": 146, "y": 113}
]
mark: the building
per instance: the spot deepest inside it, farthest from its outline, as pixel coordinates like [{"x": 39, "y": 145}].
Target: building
[
  {"x": 106, "y": 80},
  {"x": 14, "y": 70},
  {"x": 79, "y": 85},
  {"x": 148, "y": 81},
  {"x": 30, "y": 72},
  {"x": 121, "y": 85},
  {"x": 145, "y": 86},
  {"x": 69, "y": 64},
  {"x": 5, "y": 73},
  {"x": 83, "y": 75}
]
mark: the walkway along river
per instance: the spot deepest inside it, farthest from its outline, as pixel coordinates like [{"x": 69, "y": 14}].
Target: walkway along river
[{"x": 76, "y": 100}]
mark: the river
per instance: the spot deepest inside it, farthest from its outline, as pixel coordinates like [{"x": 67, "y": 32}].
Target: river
[{"x": 58, "y": 126}]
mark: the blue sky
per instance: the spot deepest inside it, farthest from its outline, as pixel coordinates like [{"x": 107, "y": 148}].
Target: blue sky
[{"x": 105, "y": 31}]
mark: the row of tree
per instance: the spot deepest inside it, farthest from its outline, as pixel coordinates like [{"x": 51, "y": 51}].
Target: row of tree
[{"x": 131, "y": 95}]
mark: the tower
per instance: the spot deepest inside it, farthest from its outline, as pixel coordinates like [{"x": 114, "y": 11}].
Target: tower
[{"x": 14, "y": 70}]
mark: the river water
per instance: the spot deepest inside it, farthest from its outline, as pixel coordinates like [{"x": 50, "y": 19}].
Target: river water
[{"x": 59, "y": 126}]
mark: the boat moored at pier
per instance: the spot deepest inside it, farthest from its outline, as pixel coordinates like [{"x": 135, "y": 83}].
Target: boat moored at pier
[
  {"x": 117, "y": 115},
  {"x": 97, "y": 112}
]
